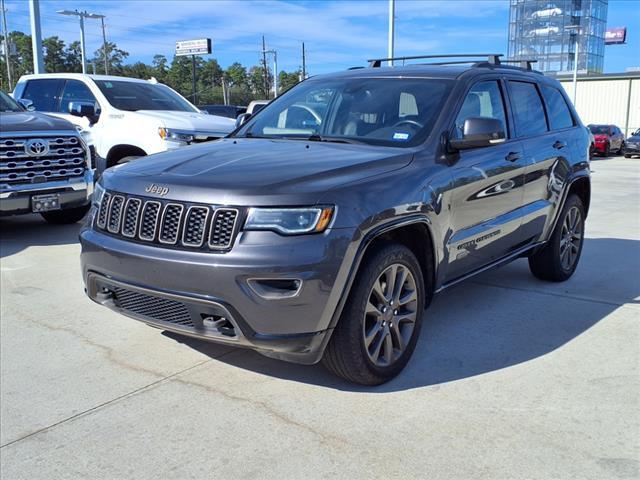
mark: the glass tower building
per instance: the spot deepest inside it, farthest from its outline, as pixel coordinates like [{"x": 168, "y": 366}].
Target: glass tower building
[{"x": 547, "y": 31}]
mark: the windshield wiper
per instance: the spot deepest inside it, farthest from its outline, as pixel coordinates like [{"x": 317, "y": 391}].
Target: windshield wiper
[{"x": 316, "y": 137}]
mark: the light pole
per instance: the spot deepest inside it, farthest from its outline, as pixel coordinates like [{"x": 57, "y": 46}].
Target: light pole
[
  {"x": 575, "y": 30},
  {"x": 392, "y": 10},
  {"x": 82, "y": 16},
  {"x": 275, "y": 71}
]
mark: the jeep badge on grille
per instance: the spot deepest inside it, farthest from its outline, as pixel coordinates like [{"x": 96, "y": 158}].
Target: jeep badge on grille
[{"x": 153, "y": 188}]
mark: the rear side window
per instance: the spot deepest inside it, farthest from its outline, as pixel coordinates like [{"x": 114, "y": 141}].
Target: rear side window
[
  {"x": 43, "y": 93},
  {"x": 75, "y": 91},
  {"x": 557, "y": 108},
  {"x": 527, "y": 109}
]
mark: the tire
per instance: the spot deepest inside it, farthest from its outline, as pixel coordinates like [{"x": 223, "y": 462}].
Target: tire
[
  {"x": 65, "y": 217},
  {"x": 621, "y": 149},
  {"x": 626, "y": 155},
  {"x": 551, "y": 262},
  {"x": 347, "y": 354},
  {"x": 607, "y": 150}
]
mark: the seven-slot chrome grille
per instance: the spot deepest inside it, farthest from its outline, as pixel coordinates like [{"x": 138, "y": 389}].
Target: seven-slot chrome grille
[
  {"x": 168, "y": 223},
  {"x": 26, "y": 160}
]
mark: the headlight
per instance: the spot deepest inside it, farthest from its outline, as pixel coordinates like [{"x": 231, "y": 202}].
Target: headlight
[
  {"x": 98, "y": 193},
  {"x": 289, "y": 221},
  {"x": 174, "y": 135}
]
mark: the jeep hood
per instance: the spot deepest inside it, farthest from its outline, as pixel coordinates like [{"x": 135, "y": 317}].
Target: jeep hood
[
  {"x": 190, "y": 121},
  {"x": 255, "y": 171}
]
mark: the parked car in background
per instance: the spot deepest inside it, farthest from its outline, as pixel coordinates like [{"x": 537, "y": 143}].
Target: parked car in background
[
  {"x": 632, "y": 145},
  {"x": 124, "y": 117},
  {"x": 229, "y": 111},
  {"x": 592, "y": 143},
  {"x": 550, "y": 10},
  {"x": 537, "y": 32},
  {"x": 44, "y": 165},
  {"x": 608, "y": 138},
  {"x": 322, "y": 228},
  {"x": 256, "y": 105}
]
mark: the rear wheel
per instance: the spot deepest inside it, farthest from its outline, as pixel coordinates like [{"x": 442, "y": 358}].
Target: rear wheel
[
  {"x": 621, "y": 149},
  {"x": 558, "y": 259},
  {"x": 380, "y": 322},
  {"x": 63, "y": 217}
]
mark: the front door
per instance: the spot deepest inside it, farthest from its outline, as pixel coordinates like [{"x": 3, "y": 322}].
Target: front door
[{"x": 487, "y": 189}]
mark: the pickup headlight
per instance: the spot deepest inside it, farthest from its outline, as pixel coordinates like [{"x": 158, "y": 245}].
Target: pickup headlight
[
  {"x": 98, "y": 193},
  {"x": 290, "y": 221},
  {"x": 174, "y": 135}
]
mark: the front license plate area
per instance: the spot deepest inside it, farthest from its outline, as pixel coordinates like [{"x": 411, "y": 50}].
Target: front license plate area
[{"x": 45, "y": 203}]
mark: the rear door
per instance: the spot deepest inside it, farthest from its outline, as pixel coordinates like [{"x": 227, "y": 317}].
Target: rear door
[
  {"x": 548, "y": 132},
  {"x": 487, "y": 193}
]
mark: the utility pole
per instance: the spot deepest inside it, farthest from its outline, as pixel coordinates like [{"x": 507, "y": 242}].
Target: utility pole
[
  {"x": 304, "y": 63},
  {"x": 36, "y": 36},
  {"x": 104, "y": 47},
  {"x": 6, "y": 44},
  {"x": 265, "y": 71},
  {"x": 392, "y": 10},
  {"x": 82, "y": 16},
  {"x": 193, "y": 79}
]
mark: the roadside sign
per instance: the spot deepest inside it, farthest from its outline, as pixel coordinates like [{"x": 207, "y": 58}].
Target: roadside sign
[
  {"x": 615, "y": 36},
  {"x": 200, "y": 46}
]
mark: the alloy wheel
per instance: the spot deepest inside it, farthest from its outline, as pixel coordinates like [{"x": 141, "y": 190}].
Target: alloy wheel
[
  {"x": 570, "y": 238},
  {"x": 390, "y": 315}
]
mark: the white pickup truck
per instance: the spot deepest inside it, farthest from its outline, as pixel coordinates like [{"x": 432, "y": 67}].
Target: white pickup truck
[{"x": 122, "y": 117}]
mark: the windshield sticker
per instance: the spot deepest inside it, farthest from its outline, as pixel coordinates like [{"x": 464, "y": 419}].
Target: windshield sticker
[
  {"x": 108, "y": 85},
  {"x": 400, "y": 136}
]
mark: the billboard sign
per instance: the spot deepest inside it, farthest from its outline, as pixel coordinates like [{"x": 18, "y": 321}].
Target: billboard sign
[
  {"x": 201, "y": 46},
  {"x": 615, "y": 36}
]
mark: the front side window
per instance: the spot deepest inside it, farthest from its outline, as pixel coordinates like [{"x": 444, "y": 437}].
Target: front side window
[
  {"x": 133, "y": 96},
  {"x": 528, "y": 110},
  {"x": 483, "y": 100},
  {"x": 557, "y": 108},
  {"x": 43, "y": 93},
  {"x": 379, "y": 111},
  {"x": 75, "y": 91}
]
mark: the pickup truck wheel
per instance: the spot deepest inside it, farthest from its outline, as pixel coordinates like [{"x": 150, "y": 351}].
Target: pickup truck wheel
[
  {"x": 63, "y": 217},
  {"x": 380, "y": 322},
  {"x": 559, "y": 258}
]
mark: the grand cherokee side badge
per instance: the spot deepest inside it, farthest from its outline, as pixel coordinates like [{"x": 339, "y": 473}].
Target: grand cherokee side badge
[{"x": 153, "y": 188}]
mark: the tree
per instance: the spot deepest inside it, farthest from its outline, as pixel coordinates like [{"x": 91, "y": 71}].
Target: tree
[
  {"x": 137, "y": 70},
  {"x": 115, "y": 57},
  {"x": 73, "y": 58},
  {"x": 160, "y": 68},
  {"x": 236, "y": 75},
  {"x": 256, "y": 81},
  {"x": 288, "y": 80},
  {"x": 54, "y": 56}
]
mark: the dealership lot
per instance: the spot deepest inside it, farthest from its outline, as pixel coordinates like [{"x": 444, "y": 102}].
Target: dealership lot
[{"x": 512, "y": 377}]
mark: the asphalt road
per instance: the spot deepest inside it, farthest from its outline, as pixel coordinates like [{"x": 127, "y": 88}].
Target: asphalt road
[{"x": 512, "y": 378}]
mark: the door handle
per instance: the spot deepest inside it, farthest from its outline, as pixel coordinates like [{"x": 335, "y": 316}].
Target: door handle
[
  {"x": 558, "y": 145},
  {"x": 512, "y": 157}
]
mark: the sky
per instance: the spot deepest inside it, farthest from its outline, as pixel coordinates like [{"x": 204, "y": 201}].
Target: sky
[{"x": 337, "y": 34}]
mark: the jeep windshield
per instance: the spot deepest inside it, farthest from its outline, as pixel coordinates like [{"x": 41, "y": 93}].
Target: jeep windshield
[
  {"x": 132, "y": 96},
  {"x": 8, "y": 104},
  {"x": 386, "y": 111}
]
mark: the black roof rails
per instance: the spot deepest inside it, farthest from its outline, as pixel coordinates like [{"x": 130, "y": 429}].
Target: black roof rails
[{"x": 492, "y": 58}]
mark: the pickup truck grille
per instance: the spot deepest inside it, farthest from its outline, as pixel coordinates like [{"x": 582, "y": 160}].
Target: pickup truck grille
[
  {"x": 25, "y": 160},
  {"x": 168, "y": 223}
]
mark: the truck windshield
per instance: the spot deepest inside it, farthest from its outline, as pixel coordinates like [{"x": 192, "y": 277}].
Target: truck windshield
[
  {"x": 132, "y": 96},
  {"x": 387, "y": 111},
  {"x": 8, "y": 104}
]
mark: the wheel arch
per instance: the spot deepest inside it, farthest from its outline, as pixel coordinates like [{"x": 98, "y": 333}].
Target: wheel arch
[
  {"x": 581, "y": 186},
  {"x": 117, "y": 152}
]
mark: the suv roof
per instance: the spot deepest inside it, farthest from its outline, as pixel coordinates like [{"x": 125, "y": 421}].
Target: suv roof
[{"x": 82, "y": 76}]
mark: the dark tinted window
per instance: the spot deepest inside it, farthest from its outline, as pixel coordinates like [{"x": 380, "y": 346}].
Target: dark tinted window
[
  {"x": 599, "y": 129},
  {"x": 527, "y": 109},
  {"x": 557, "y": 109},
  {"x": 75, "y": 91},
  {"x": 43, "y": 93},
  {"x": 8, "y": 104},
  {"x": 483, "y": 100}
]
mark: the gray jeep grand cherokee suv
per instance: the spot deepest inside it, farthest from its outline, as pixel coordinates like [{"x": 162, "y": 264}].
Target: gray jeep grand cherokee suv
[{"x": 323, "y": 226}]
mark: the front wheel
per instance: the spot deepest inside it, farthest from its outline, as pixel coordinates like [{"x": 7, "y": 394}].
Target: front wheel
[
  {"x": 558, "y": 259},
  {"x": 621, "y": 149},
  {"x": 64, "y": 217},
  {"x": 380, "y": 322},
  {"x": 607, "y": 150}
]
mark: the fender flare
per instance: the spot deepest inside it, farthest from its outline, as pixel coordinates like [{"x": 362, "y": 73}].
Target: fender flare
[{"x": 577, "y": 176}]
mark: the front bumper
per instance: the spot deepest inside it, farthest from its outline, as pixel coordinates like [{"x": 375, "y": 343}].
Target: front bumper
[
  {"x": 632, "y": 149},
  {"x": 74, "y": 192},
  {"x": 600, "y": 147},
  {"x": 210, "y": 287}
]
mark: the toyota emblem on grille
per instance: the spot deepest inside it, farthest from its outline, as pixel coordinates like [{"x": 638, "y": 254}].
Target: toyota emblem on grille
[{"x": 36, "y": 147}]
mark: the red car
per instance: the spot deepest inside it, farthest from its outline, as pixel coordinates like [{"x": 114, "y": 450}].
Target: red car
[{"x": 607, "y": 138}]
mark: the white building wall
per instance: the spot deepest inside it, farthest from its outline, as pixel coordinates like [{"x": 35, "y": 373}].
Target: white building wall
[{"x": 608, "y": 101}]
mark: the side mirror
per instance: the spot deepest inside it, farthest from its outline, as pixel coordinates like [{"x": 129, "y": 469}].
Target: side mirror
[
  {"x": 27, "y": 104},
  {"x": 242, "y": 119},
  {"x": 84, "y": 109},
  {"x": 479, "y": 132},
  {"x": 204, "y": 112}
]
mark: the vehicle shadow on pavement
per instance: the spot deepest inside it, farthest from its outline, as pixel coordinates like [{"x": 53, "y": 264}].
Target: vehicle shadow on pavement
[
  {"x": 20, "y": 232},
  {"x": 483, "y": 325}
]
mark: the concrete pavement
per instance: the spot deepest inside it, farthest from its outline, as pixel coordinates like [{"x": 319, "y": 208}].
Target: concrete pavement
[{"x": 512, "y": 377}]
